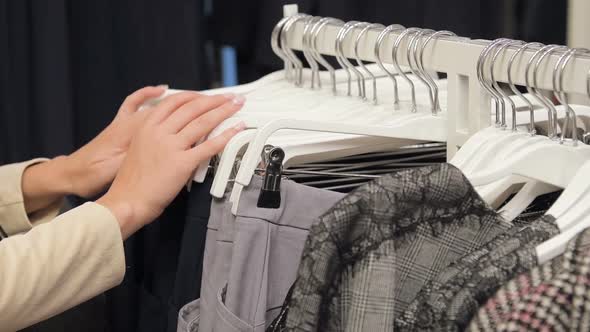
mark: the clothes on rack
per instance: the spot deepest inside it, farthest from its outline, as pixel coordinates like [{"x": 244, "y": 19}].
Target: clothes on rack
[
  {"x": 448, "y": 302},
  {"x": 394, "y": 234},
  {"x": 552, "y": 296},
  {"x": 431, "y": 250},
  {"x": 251, "y": 262},
  {"x": 163, "y": 266}
]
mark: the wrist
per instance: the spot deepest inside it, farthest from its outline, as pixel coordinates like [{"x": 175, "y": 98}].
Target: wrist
[
  {"x": 64, "y": 174},
  {"x": 45, "y": 183},
  {"x": 123, "y": 212}
]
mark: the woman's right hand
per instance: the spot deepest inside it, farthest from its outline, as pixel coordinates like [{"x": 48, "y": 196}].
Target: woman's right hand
[{"x": 162, "y": 155}]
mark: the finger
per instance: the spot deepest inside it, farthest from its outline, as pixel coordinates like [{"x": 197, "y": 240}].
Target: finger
[
  {"x": 193, "y": 110},
  {"x": 203, "y": 125},
  {"x": 171, "y": 103},
  {"x": 136, "y": 99},
  {"x": 213, "y": 146}
]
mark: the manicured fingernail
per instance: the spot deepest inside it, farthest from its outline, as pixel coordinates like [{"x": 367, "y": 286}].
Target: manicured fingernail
[
  {"x": 239, "y": 100},
  {"x": 163, "y": 86},
  {"x": 240, "y": 126}
]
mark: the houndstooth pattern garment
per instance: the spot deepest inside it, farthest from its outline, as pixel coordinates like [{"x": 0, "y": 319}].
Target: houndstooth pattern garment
[
  {"x": 497, "y": 308},
  {"x": 561, "y": 303},
  {"x": 368, "y": 257},
  {"x": 449, "y": 301}
]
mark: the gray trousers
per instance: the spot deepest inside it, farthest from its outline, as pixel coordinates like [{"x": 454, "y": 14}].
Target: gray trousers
[{"x": 251, "y": 259}]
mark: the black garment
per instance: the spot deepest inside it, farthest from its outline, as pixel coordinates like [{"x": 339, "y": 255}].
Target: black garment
[
  {"x": 187, "y": 285},
  {"x": 164, "y": 264},
  {"x": 66, "y": 65},
  {"x": 247, "y": 25}
]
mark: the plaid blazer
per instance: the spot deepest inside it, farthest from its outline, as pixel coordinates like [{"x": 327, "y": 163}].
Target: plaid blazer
[
  {"x": 448, "y": 302},
  {"x": 553, "y": 297},
  {"x": 367, "y": 258}
]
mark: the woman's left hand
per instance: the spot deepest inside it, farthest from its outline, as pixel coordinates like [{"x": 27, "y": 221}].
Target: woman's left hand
[{"x": 94, "y": 166}]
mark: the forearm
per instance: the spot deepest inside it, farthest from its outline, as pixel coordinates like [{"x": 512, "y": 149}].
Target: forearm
[
  {"x": 58, "y": 265},
  {"x": 46, "y": 183}
]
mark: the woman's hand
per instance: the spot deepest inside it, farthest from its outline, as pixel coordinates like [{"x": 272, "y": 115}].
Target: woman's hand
[
  {"x": 89, "y": 170},
  {"x": 163, "y": 155},
  {"x": 94, "y": 166}
]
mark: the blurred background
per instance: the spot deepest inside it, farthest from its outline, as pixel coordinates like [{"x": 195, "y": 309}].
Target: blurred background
[{"x": 66, "y": 65}]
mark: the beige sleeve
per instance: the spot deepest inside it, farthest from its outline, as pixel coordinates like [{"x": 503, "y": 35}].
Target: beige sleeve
[
  {"x": 55, "y": 265},
  {"x": 58, "y": 265},
  {"x": 13, "y": 217}
]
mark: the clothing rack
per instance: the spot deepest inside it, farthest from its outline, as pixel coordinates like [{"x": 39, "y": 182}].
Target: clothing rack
[{"x": 458, "y": 58}]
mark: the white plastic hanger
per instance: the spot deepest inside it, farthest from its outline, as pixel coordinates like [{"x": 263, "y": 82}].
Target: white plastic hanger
[
  {"x": 566, "y": 157},
  {"x": 577, "y": 199},
  {"x": 475, "y": 142},
  {"x": 340, "y": 147},
  {"x": 427, "y": 128}
]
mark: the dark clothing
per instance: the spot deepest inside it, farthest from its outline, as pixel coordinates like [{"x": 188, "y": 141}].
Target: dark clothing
[{"x": 164, "y": 266}]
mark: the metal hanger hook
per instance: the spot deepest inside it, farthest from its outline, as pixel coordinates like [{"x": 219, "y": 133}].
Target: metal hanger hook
[
  {"x": 360, "y": 78},
  {"x": 377, "y": 53},
  {"x": 481, "y": 61},
  {"x": 360, "y": 62},
  {"x": 536, "y": 59},
  {"x": 435, "y": 35},
  {"x": 276, "y": 48},
  {"x": 515, "y": 90},
  {"x": 314, "y": 46},
  {"x": 499, "y": 89},
  {"x": 285, "y": 46},
  {"x": 412, "y": 58},
  {"x": 307, "y": 53},
  {"x": 560, "y": 94},
  {"x": 394, "y": 51}
]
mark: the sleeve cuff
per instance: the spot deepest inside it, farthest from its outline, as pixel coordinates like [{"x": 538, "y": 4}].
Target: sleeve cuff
[{"x": 13, "y": 216}]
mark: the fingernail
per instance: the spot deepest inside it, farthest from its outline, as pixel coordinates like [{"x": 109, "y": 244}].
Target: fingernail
[
  {"x": 240, "y": 126},
  {"x": 239, "y": 100},
  {"x": 163, "y": 86},
  {"x": 229, "y": 95}
]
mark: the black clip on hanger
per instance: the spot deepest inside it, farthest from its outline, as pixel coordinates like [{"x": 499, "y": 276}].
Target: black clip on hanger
[{"x": 270, "y": 194}]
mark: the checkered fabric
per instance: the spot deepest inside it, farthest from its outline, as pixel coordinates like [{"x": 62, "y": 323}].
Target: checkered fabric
[
  {"x": 368, "y": 257},
  {"x": 449, "y": 301},
  {"x": 559, "y": 304}
]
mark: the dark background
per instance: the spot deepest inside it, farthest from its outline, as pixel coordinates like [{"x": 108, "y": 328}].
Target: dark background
[{"x": 66, "y": 65}]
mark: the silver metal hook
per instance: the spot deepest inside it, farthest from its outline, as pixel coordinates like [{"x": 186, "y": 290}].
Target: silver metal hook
[
  {"x": 340, "y": 59},
  {"x": 497, "y": 86},
  {"x": 437, "y": 34},
  {"x": 377, "y": 52},
  {"x": 360, "y": 62},
  {"x": 412, "y": 58},
  {"x": 360, "y": 78},
  {"x": 362, "y": 82},
  {"x": 315, "y": 32},
  {"x": 484, "y": 83},
  {"x": 274, "y": 43},
  {"x": 307, "y": 53},
  {"x": 532, "y": 88},
  {"x": 285, "y": 46},
  {"x": 402, "y": 36},
  {"x": 562, "y": 96},
  {"x": 494, "y": 85},
  {"x": 512, "y": 86},
  {"x": 420, "y": 72}
]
